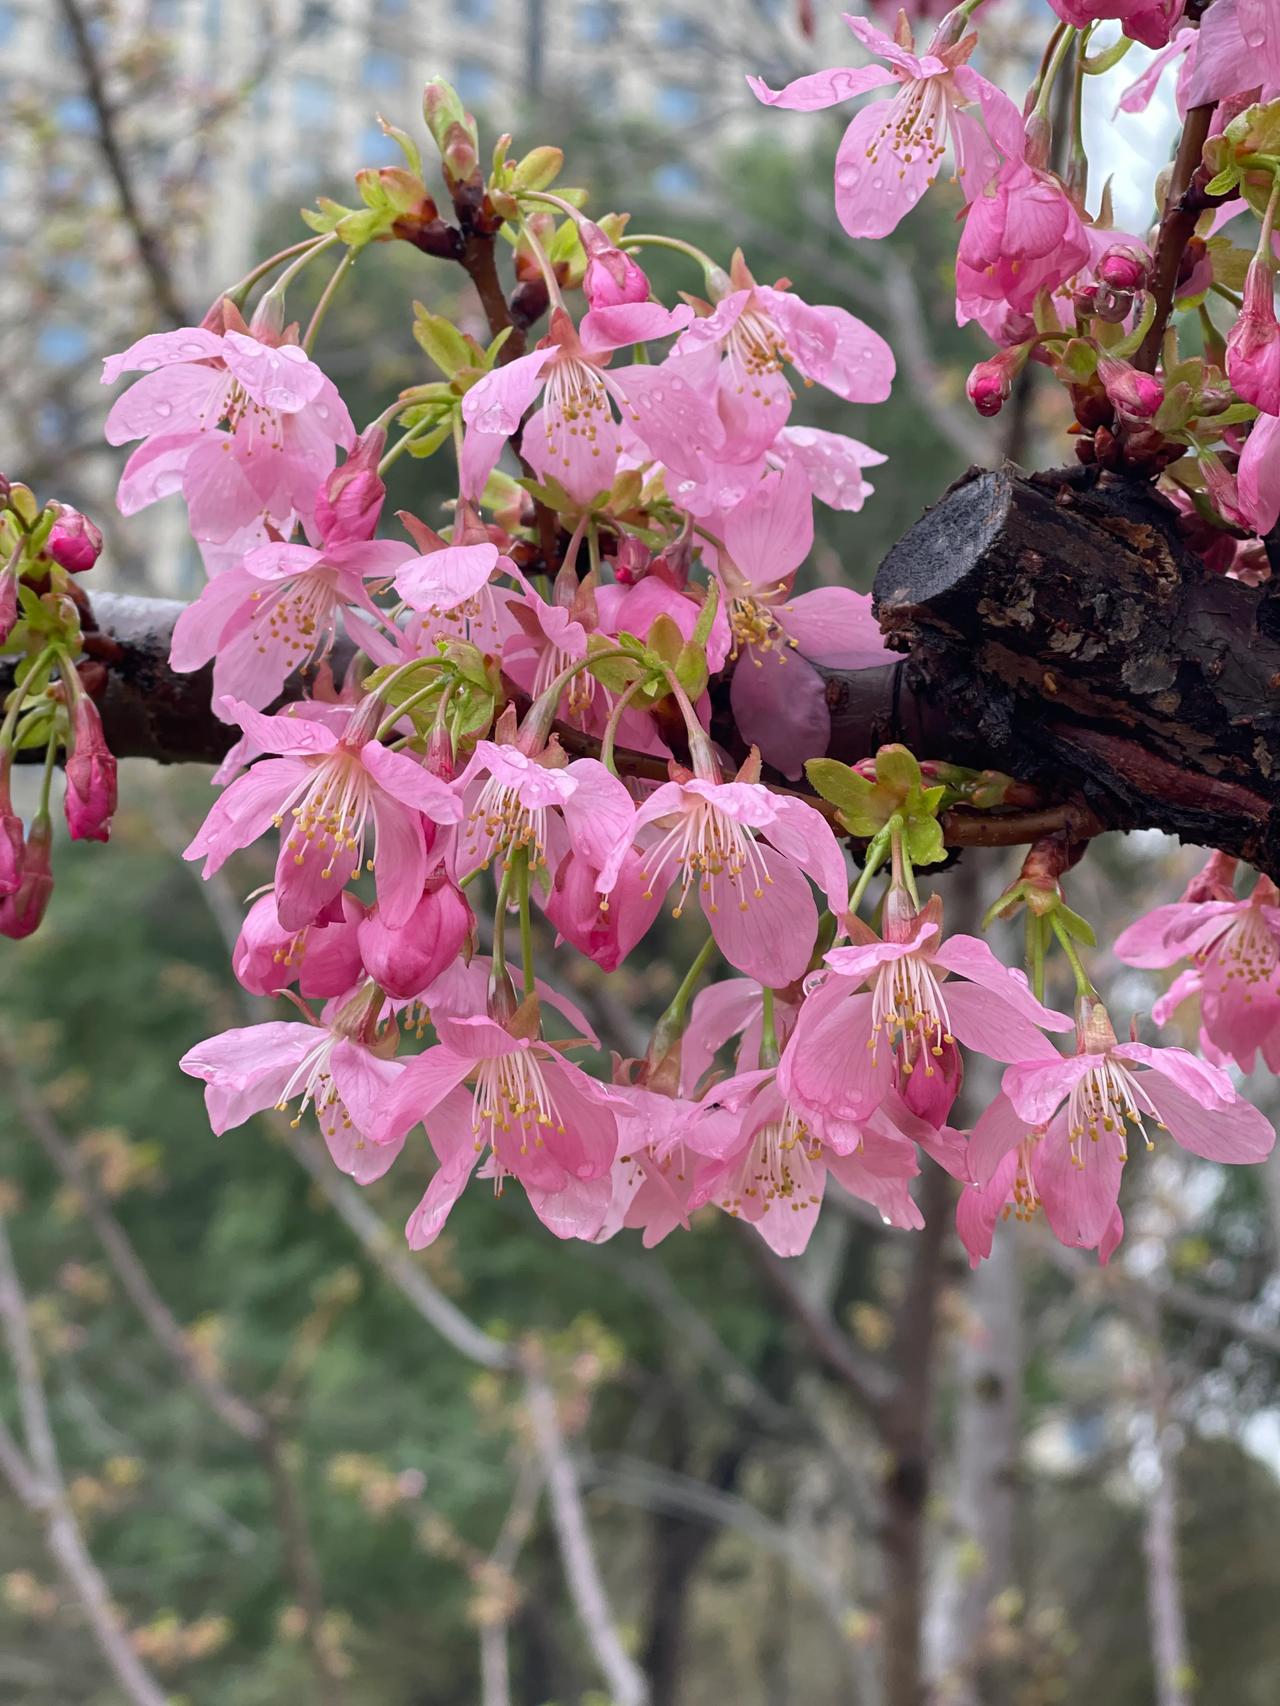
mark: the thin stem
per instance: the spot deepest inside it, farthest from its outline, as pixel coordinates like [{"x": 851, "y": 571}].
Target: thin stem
[
  {"x": 397, "y": 712},
  {"x": 651, "y": 240},
  {"x": 499, "y": 954},
  {"x": 417, "y": 430},
  {"x": 526, "y": 922},
  {"x": 1084, "y": 985},
  {"x": 238, "y": 292},
  {"x": 615, "y": 718},
  {"x": 20, "y": 692},
  {"x": 671, "y": 1024},
  {"x": 1056, "y": 62},
  {"x": 875, "y": 856},
  {"x": 326, "y": 299},
  {"x": 544, "y": 265},
  {"x": 303, "y": 261},
  {"x": 768, "y": 1031}
]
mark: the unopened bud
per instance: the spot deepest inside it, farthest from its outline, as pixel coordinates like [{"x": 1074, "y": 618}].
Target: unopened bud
[
  {"x": 8, "y": 603},
  {"x": 350, "y": 501},
  {"x": 21, "y": 911},
  {"x": 10, "y": 833},
  {"x": 453, "y": 131},
  {"x": 74, "y": 543},
  {"x": 612, "y": 277},
  {"x": 1125, "y": 267},
  {"x": 990, "y": 384},
  {"x": 1134, "y": 394},
  {"x": 91, "y": 776},
  {"x": 631, "y": 560}
]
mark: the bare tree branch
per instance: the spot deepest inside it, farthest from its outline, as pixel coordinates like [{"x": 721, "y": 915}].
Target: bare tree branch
[{"x": 42, "y": 1489}]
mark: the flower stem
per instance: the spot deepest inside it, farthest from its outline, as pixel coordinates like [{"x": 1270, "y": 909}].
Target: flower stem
[
  {"x": 526, "y": 922},
  {"x": 876, "y": 850},
  {"x": 670, "y": 1027},
  {"x": 1084, "y": 985},
  {"x": 768, "y": 1031},
  {"x": 20, "y": 693},
  {"x": 615, "y": 718},
  {"x": 238, "y": 292},
  {"x": 544, "y": 265},
  {"x": 326, "y": 299},
  {"x": 500, "y": 923},
  {"x": 404, "y": 441},
  {"x": 651, "y": 240}
]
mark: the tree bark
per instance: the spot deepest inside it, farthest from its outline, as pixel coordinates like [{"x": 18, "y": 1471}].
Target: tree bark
[{"x": 1055, "y": 627}]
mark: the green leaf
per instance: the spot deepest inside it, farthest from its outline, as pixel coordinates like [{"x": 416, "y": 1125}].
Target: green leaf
[
  {"x": 1075, "y": 926},
  {"x": 691, "y": 669},
  {"x": 896, "y": 768},
  {"x": 839, "y": 783},
  {"x": 538, "y": 170},
  {"x": 925, "y": 845},
  {"x": 442, "y": 342}
]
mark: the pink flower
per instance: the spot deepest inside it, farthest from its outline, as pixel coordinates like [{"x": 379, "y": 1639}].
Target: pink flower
[
  {"x": 408, "y": 959},
  {"x": 1151, "y": 22},
  {"x": 779, "y": 700},
  {"x": 277, "y": 612},
  {"x": 850, "y": 1049},
  {"x": 761, "y": 332},
  {"x": 734, "y": 1007},
  {"x": 612, "y": 277},
  {"x": 574, "y": 437},
  {"x": 514, "y": 803},
  {"x": 22, "y": 911},
  {"x": 769, "y": 1166},
  {"x": 1257, "y": 484},
  {"x": 746, "y": 852},
  {"x": 1080, "y": 1109},
  {"x": 1236, "y": 50},
  {"x": 11, "y": 832},
  {"x": 891, "y": 150},
  {"x": 833, "y": 464},
  {"x": 268, "y": 1066},
  {"x": 1021, "y": 236},
  {"x": 90, "y": 799},
  {"x": 350, "y": 500},
  {"x": 330, "y": 784},
  {"x": 75, "y": 544},
  {"x": 1234, "y": 947},
  {"x": 323, "y": 958},
  {"x": 1253, "y": 343},
  {"x": 1014, "y": 1189},
  {"x": 539, "y": 1117},
  {"x": 8, "y": 600},
  {"x": 243, "y": 429}
]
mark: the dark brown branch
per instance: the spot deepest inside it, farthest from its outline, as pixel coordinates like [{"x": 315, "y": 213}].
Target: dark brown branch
[
  {"x": 151, "y": 252},
  {"x": 1177, "y": 227}
]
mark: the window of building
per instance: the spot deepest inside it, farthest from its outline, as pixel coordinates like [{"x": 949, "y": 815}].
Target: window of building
[
  {"x": 312, "y": 102},
  {"x": 597, "y": 20},
  {"x": 474, "y": 83},
  {"x": 382, "y": 71},
  {"x": 676, "y": 103},
  {"x": 676, "y": 182}
]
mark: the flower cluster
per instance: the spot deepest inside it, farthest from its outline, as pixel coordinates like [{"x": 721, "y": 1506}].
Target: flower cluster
[{"x": 594, "y": 700}]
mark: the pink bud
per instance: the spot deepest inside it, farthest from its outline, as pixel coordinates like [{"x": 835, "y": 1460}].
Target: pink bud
[
  {"x": 612, "y": 277},
  {"x": 21, "y": 912},
  {"x": 8, "y": 603},
  {"x": 324, "y": 959},
  {"x": 406, "y": 961},
  {"x": 1133, "y": 394},
  {"x": 1124, "y": 267},
  {"x": 350, "y": 501},
  {"x": 10, "y": 834},
  {"x": 90, "y": 798},
  {"x": 989, "y": 386},
  {"x": 75, "y": 544},
  {"x": 1253, "y": 343},
  {"x": 1222, "y": 489},
  {"x": 631, "y": 561}
]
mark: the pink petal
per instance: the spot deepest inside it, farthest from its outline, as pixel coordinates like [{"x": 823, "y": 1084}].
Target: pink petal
[
  {"x": 1236, "y": 1132},
  {"x": 309, "y": 875},
  {"x": 1171, "y": 933},
  {"x": 968, "y": 956},
  {"x": 804, "y": 836},
  {"x": 421, "y": 1088},
  {"x": 576, "y": 1211},
  {"x": 989, "y": 1027},
  {"x": 779, "y": 704},
  {"x": 1258, "y": 476},
  {"x": 1209, "y": 1085},
  {"x": 1079, "y": 1202},
  {"x": 246, "y": 1070},
  {"x": 410, "y": 782},
  {"x": 445, "y": 579},
  {"x": 199, "y": 627},
  {"x": 496, "y": 403},
  {"x": 362, "y": 1081},
  {"x": 1038, "y": 1087},
  {"x": 154, "y": 471},
  {"x": 173, "y": 400},
  {"x": 719, "y": 1012},
  {"x": 999, "y": 1129},
  {"x": 770, "y": 533},
  {"x": 604, "y": 329},
  {"x": 285, "y": 732},
  {"x": 163, "y": 349},
  {"x": 861, "y": 366},
  {"x": 821, "y": 88},
  {"x": 829, "y": 1063},
  {"x": 833, "y": 625},
  {"x": 768, "y": 936},
  {"x": 599, "y": 812},
  {"x": 280, "y": 377},
  {"x": 978, "y": 1210},
  {"x": 245, "y": 810},
  {"x": 833, "y": 464},
  {"x": 671, "y": 414},
  {"x": 399, "y": 861},
  {"x": 873, "y": 196}
]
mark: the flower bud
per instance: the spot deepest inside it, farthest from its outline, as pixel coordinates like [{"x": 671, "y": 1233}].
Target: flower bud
[
  {"x": 631, "y": 560},
  {"x": 74, "y": 543},
  {"x": 989, "y": 387},
  {"x": 612, "y": 277},
  {"x": 324, "y": 959},
  {"x": 406, "y": 961},
  {"x": 10, "y": 834},
  {"x": 1253, "y": 344},
  {"x": 1125, "y": 267},
  {"x": 8, "y": 603},
  {"x": 350, "y": 501},
  {"x": 91, "y": 776},
  {"x": 1133, "y": 394},
  {"x": 21, "y": 911},
  {"x": 453, "y": 131}
]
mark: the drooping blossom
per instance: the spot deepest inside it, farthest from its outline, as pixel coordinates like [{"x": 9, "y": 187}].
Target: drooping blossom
[
  {"x": 278, "y": 611},
  {"x": 321, "y": 791},
  {"x": 574, "y": 437},
  {"x": 406, "y": 960},
  {"x": 761, "y": 332},
  {"x": 1253, "y": 343},
  {"x": 853, "y": 1045},
  {"x": 654, "y": 1173},
  {"x": 532, "y": 1113},
  {"x": 732, "y": 1007},
  {"x": 22, "y": 910},
  {"x": 1235, "y": 50},
  {"x": 323, "y": 958},
  {"x": 334, "y": 1069},
  {"x": 892, "y": 149},
  {"x": 769, "y": 1165},
  {"x": 1023, "y": 234},
  {"x": 779, "y": 700},
  {"x": 612, "y": 277},
  {"x": 1256, "y": 489},
  {"x": 1076, "y": 1112},
  {"x": 11, "y": 830},
  {"x": 244, "y": 429},
  {"x": 745, "y": 852},
  {"x": 1151, "y": 22},
  {"x": 90, "y": 800},
  {"x": 1234, "y": 948}
]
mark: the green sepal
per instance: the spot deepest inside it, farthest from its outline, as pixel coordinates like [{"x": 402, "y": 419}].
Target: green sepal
[{"x": 442, "y": 342}]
